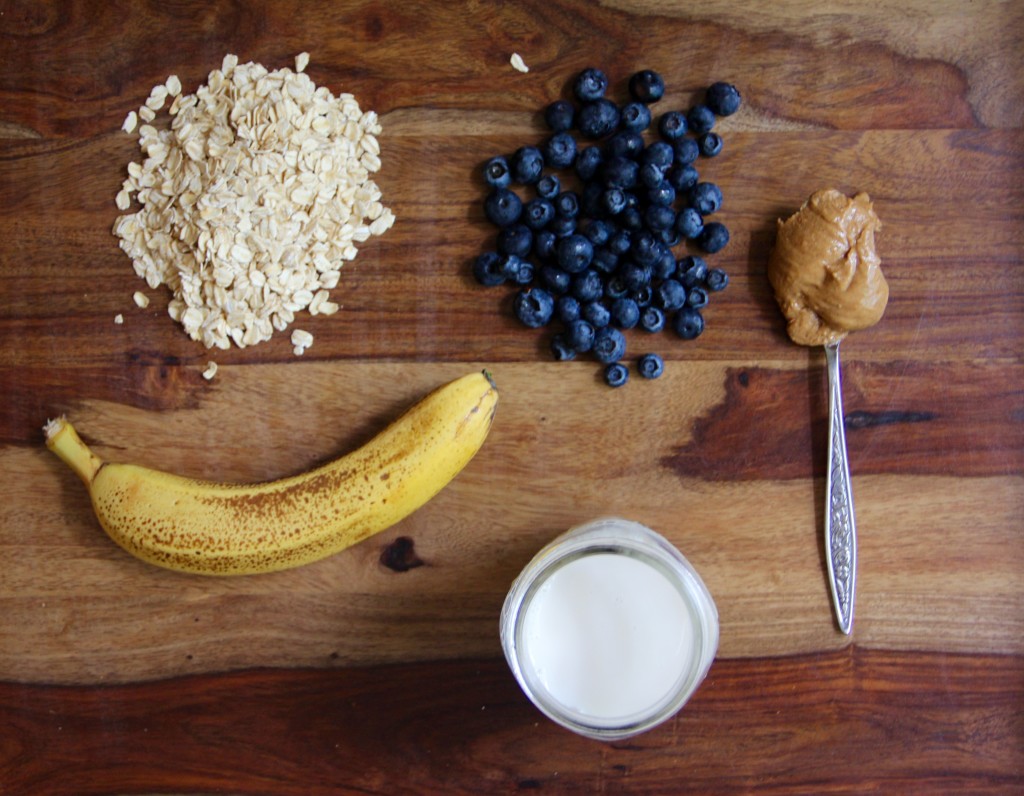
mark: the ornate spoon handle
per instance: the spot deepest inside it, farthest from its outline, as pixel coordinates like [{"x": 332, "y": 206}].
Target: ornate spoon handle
[{"x": 840, "y": 531}]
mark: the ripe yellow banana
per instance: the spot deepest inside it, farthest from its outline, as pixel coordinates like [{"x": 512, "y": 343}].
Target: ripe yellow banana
[{"x": 232, "y": 529}]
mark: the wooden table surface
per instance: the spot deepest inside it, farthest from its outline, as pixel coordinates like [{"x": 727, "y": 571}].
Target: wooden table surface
[{"x": 352, "y": 676}]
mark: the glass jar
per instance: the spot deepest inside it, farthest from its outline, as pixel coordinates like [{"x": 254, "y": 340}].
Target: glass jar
[{"x": 609, "y": 630}]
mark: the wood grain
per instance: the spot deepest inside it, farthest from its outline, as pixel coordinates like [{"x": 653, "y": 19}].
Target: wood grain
[
  {"x": 380, "y": 667},
  {"x": 840, "y": 722},
  {"x": 402, "y": 286},
  {"x": 704, "y": 473}
]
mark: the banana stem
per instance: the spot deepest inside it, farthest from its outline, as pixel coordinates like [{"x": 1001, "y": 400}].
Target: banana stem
[{"x": 63, "y": 440}]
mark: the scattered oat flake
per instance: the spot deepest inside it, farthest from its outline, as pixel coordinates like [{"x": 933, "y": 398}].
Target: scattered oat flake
[
  {"x": 301, "y": 62},
  {"x": 119, "y": 319},
  {"x": 130, "y": 121},
  {"x": 302, "y": 338},
  {"x": 141, "y": 299},
  {"x": 157, "y": 98},
  {"x": 518, "y": 64},
  {"x": 211, "y": 370}
]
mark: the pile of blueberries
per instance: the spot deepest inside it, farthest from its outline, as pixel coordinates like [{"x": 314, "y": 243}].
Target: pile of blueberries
[{"x": 596, "y": 257}]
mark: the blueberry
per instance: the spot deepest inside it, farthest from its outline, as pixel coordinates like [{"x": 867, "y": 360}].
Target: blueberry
[
  {"x": 647, "y": 86},
  {"x": 580, "y": 335},
  {"x": 544, "y": 244},
  {"x": 714, "y": 237},
  {"x": 567, "y": 309},
  {"x": 672, "y": 125},
  {"x": 560, "y": 348},
  {"x": 624, "y": 144},
  {"x": 700, "y": 119},
  {"x": 609, "y": 344},
  {"x": 560, "y": 150},
  {"x": 723, "y": 99},
  {"x": 503, "y": 207},
  {"x": 665, "y": 265},
  {"x": 650, "y": 366},
  {"x": 515, "y": 239},
  {"x": 555, "y": 279},
  {"x": 527, "y": 165},
  {"x": 671, "y": 295},
  {"x": 625, "y": 309},
  {"x": 613, "y": 201},
  {"x": 635, "y": 276},
  {"x": 710, "y": 144},
  {"x": 632, "y": 219},
  {"x": 643, "y": 297},
  {"x": 510, "y": 265},
  {"x": 682, "y": 177},
  {"x": 651, "y": 175},
  {"x": 620, "y": 172},
  {"x": 652, "y": 319},
  {"x": 598, "y": 231},
  {"x": 697, "y": 298},
  {"x": 497, "y": 173},
  {"x": 706, "y": 198},
  {"x": 686, "y": 151},
  {"x": 689, "y": 223},
  {"x": 539, "y": 213},
  {"x": 669, "y": 237},
  {"x": 659, "y": 153},
  {"x": 598, "y": 119},
  {"x": 635, "y": 116},
  {"x": 559, "y": 115},
  {"x": 596, "y": 314},
  {"x": 526, "y": 273},
  {"x": 616, "y": 374},
  {"x": 692, "y": 271},
  {"x": 645, "y": 249},
  {"x": 588, "y": 161},
  {"x": 659, "y": 216},
  {"x": 605, "y": 260},
  {"x": 548, "y": 186},
  {"x": 688, "y": 323},
  {"x": 562, "y": 226},
  {"x": 615, "y": 288},
  {"x": 625, "y": 313},
  {"x": 487, "y": 269},
  {"x": 588, "y": 286},
  {"x": 574, "y": 253},
  {"x": 534, "y": 307},
  {"x": 620, "y": 242},
  {"x": 716, "y": 280},
  {"x": 567, "y": 204},
  {"x": 605, "y": 250},
  {"x": 591, "y": 84},
  {"x": 662, "y": 194},
  {"x": 590, "y": 199}
]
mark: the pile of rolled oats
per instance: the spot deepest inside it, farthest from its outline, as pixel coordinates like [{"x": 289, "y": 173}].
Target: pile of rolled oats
[{"x": 251, "y": 199}]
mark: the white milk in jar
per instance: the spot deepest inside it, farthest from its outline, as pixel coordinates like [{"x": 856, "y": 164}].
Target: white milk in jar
[{"x": 609, "y": 630}]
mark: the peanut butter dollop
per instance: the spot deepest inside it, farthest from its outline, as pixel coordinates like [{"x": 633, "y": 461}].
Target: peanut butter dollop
[{"x": 825, "y": 271}]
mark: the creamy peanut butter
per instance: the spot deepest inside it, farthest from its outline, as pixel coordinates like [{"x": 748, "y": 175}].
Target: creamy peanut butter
[{"x": 825, "y": 271}]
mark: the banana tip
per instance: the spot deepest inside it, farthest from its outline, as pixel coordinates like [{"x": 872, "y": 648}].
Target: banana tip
[{"x": 54, "y": 426}]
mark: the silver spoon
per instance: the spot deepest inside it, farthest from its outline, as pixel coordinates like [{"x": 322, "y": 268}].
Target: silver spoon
[{"x": 840, "y": 531}]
